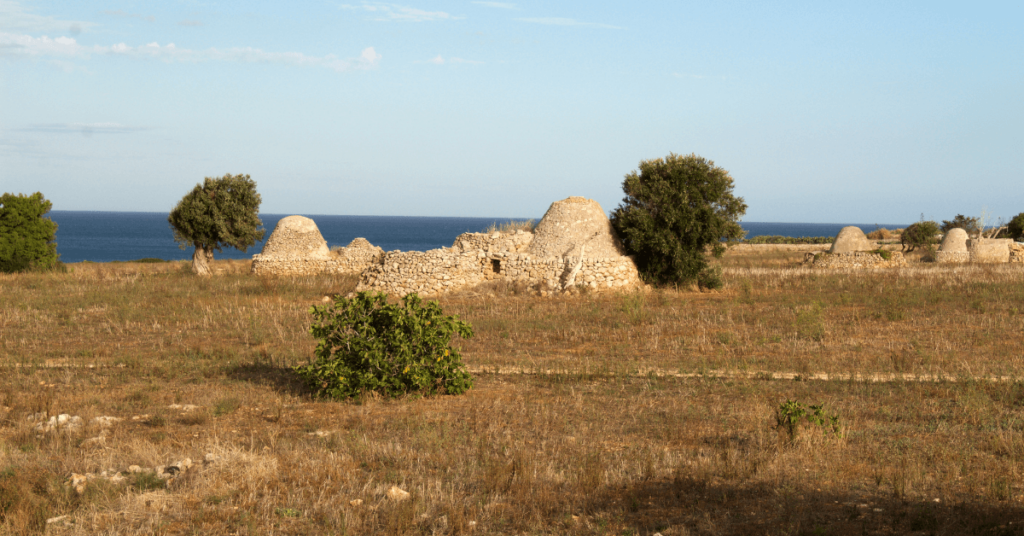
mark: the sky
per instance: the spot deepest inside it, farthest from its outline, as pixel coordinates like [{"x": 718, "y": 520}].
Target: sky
[{"x": 828, "y": 112}]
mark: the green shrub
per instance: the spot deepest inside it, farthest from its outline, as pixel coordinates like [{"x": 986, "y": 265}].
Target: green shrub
[
  {"x": 790, "y": 413},
  {"x": 676, "y": 210},
  {"x": 969, "y": 224},
  {"x": 1015, "y": 229},
  {"x": 921, "y": 234},
  {"x": 26, "y": 237},
  {"x": 367, "y": 344},
  {"x": 885, "y": 254}
]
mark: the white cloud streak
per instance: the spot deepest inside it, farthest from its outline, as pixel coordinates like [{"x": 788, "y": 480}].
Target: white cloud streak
[
  {"x": 190, "y": 22},
  {"x": 86, "y": 129},
  {"x": 26, "y": 46},
  {"x": 498, "y": 5},
  {"x": 559, "y": 21},
  {"x": 395, "y": 12},
  {"x": 15, "y": 18}
]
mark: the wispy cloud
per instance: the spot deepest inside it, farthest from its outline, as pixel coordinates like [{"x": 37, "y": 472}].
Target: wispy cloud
[
  {"x": 86, "y": 129},
  {"x": 559, "y": 21},
  {"x": 440, "y": 60},
  {"x": 125, "y": 15},
  {"x": 499, "y": 5},
  {"x": 190, "y": 22},
  {"x": 14, "y": 45},
  {"x": 395, "y": 12},
  {"x": 14, "y": 17}
]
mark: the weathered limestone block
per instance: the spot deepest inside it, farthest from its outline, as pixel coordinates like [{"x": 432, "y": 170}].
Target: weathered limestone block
[{"x": 989, "y": 250}]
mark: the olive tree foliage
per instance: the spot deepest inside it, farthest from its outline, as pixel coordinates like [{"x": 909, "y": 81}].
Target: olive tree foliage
[
  {"x": 1016, "y": 227},
  {"x": 676, "y": 211},
  {"x": 922, "y": 234},
  {"x": 221, "y": 212},
  {"x": 971, "y": 224},
  {"x": 26, "y": 237}
]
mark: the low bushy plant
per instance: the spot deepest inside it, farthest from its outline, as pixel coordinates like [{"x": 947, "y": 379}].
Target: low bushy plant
[
  {"x": 367, "y": 344},
  {"x": 921, "y": 234}
]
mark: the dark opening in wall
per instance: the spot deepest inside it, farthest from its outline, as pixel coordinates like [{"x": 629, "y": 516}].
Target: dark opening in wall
[{"x": 496, "y": 266}]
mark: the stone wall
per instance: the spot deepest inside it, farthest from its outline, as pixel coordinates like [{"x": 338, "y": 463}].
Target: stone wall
[
  {"x": 1017, "y": 252},
  {"x": 552, "y": 273},
  {"x": 859, "y": 259},
  {"x": 989, "y": 250},
  {"x": 353, "y": 258},
  {"x": 493, "y": 243},
  {"x": 950, "y": 257},
  {"x": 427, "y": 273},
  {"x": 288, "y": 265}
]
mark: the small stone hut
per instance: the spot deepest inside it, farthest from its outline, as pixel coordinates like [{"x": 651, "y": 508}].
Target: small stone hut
[
  {"x": 954, "y": 247},
  {"x": 849, "y": 240},
  {"x": 296, "y": 247},
  {"x": 573, "y": 223}
]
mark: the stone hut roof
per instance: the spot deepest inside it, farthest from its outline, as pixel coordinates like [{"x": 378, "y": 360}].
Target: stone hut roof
[
  {"x": 851, "y": 239},
  {"x": 361, "y": 243},
  {"x": 955, "y": 241},
  {"x": 296, "y": 236},
  {"x": 571, "y": 223}
]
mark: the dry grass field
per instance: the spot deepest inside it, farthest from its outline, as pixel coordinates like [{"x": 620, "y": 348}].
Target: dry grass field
[{"x": 585, "y": 440}]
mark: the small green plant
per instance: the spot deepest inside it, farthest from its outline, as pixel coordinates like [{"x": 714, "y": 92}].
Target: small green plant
[
  {"x": 367, "y": 344},
  {"x": 886, "y": 255},
  {"x": 147, "y": 481},
  {"x": 791, "y": 413},
  {"x": 287, "y": 512},
  {"x": 225, "y": 406}
]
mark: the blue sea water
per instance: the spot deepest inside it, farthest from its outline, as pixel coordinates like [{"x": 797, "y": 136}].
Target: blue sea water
[{"x": 124, "y": 236}]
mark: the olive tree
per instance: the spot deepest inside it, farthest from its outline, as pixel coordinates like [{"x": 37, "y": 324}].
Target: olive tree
[
  {"x": 26, "y": 236},
  {"x": 676, "y": 211},
  {"x": 220, "y": 212},
  {"x": 1016, "y": 227},
  {"x": 922, "y": 234}
]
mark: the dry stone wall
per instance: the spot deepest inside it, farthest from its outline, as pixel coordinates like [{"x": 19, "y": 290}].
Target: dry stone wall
[
  {"x": 494, "y": 243},
  {"x": 858, "y": 260},
  {"x": 952, "y": 257},
  {"x": 353, "y": 258},
  {"x": 552, "y": 273},
  {"x": 1017, "y": 252},
  {"x": 427, "y": 273}
]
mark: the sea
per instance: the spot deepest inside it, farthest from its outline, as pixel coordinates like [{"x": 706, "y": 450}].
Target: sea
[{"x": 125, "y": 236}]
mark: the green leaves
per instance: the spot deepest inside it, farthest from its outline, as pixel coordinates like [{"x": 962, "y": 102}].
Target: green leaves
[
  {"x": 221, "y": 212},
  {"x": 367, "y": 344},
  {"x": 26, "y": 237},
  {"x": 675, "y": 209}
]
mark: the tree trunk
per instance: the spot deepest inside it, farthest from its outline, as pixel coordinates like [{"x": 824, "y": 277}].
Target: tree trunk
[{"x": 200, "y": 261}]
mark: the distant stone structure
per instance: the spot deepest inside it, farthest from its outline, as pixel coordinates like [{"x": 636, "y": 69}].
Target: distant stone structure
[
  {"x": 850, "y": 240},
  {"x": 954, "y": 247},
  {"x": 296, "y": 247},
  {"x": 573, "y": 246}
]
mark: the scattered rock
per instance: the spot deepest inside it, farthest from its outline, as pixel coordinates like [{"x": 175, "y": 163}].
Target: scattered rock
[
  {"x": 134, "y": 469},
  {"x": 356, "y": 502},
  {"x": 58, "y": 519},
  {"x": 105, "y": 421},
  {"x": 183, "y": 407},
  {"x": 63, "y": 422},
  {"x": 319, "y": 433},
  {"x": 397, "y": 494},
  {"x": 210, "y": 458}
]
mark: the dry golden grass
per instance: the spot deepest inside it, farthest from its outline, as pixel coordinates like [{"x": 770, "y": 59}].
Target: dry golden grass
[{"x": 593, "y": 449}]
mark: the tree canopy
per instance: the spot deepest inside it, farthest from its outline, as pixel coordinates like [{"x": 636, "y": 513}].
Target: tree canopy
[
  {"x": 920, "y": 235},
  {"x": 1016, "y": 227},
  {"x": 970, "y": 224},
  {"x": 676, "y": 210},
  {"x": 26, "y": 237},
  {"x": 221, "y": 212}
]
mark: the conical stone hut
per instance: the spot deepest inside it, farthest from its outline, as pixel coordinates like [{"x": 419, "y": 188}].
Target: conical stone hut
[
  {"x": 296, "y": 247},
  {"x": 572, "y": 224},
  {"x": 850, "y": 240},
  {"x": 954, "y": 247},
  {"x": 354, "y": 258}
]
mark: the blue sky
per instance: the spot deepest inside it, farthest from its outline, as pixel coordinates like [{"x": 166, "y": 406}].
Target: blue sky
[{"x": 821, "y": 111}]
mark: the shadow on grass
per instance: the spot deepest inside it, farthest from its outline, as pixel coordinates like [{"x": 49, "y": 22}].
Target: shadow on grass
[
  {"x": 703, "y": 508},
  {"x": 281, "y": 379}
]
